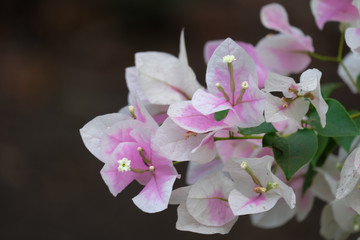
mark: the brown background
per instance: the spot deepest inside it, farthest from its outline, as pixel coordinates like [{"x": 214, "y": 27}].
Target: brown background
[{"x": 62, "y": 63}]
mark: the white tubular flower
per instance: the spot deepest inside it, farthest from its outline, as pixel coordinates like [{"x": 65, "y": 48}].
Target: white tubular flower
[{"x": 124, "y": 165}]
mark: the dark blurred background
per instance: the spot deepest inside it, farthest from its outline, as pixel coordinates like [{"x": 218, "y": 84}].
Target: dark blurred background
[{"x": 62, "y": 64}]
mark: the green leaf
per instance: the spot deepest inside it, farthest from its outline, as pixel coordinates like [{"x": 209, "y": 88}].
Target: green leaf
[
  {"x": 221, "y": 115},
  {"x": 294, "y": 151},
  {"x": 265, "y": 127},
  {"x": 345, "y": 142},
  {"x": 328, "y": 88},
  {"x": 322, "y": 143},
  {"x": 358, "y": 80},
  {"x": 338, "y": 121}
]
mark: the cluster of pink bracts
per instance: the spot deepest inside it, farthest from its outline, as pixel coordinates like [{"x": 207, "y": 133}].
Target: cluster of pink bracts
[{"x": 171, "y": 118}]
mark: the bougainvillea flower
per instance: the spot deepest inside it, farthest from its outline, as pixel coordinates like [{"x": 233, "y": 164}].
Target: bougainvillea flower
[
  {"x": 261, "y": 70},
  {"x": 333, "y": 10},
  {"x": 283, "y": 53},
  {"x": 204, "y": 207},
  {"x": 257, "y": 189},
  {"x": 281, "y": 213},
  {"x": 125, "y": 145},
  {"x": 352, "y": 62},
  {"x": 293, "y": 106}
]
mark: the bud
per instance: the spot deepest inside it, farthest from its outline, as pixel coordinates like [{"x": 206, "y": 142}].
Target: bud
[{"x": 132, "y": 111}]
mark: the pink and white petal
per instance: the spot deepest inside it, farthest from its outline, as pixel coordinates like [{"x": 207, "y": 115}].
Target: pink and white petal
[
  {"x": 116, "y": 180},
  {"x": 195, "y": 170},
  {"x": 182, "y": 53},
  {"x": 352, "y": 38},
  {"x": 333, "y": 10},
  {"x": 187, "y": 117},
  {"x": 186, "y": 222},
  {"x": 278, "y": 83},
  {"x": 251, "y": 109},
  {"x": 93, "y": 132},
  {"x": 207, "y": 200},
  {"x": 283, "y": 190},
  {"x": 235, "y": 148},
  {"x": 207, "y": 103},
  {"x": 352, "y": 62},
  {"x": 173, "y": 142},
  {"x": 350, "y": 174},
  {"x": 179, "y": 195},
  {"x": 165, "y": 80},
  {"x": 274, "y": 16},
  {"x": 247, "y": 201},
  {"x": 218, "y": 72},
  {"x": 281, "y": 53},
  {"x": 276, "y": 217},
  {"x": 156, "y": 194},
  {"x": 261, "y": 70}
]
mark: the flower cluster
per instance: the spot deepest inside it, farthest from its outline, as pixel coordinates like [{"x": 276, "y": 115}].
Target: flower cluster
[{"x": 258, "y": 142}]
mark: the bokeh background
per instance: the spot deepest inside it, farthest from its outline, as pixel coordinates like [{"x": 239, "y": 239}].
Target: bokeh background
[{"x": 62, "y": 63}]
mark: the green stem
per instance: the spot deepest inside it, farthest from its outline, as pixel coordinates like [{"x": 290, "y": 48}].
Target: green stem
[
  {"x": 341, "y": 46},
  {"x": 236, "y": 138},
  {"x": 177, "y": 162},
  {"x": 321, "y": 57}
]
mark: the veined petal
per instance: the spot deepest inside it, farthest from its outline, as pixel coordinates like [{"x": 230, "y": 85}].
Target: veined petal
[
  {"x": 164, "y": 79},
  {"x": 218, "y": 72},
  {"x": 249, "y": 202},
  {"x": 156, "y": 194},
  {"x": 177, "y": 144},
  {"x": 279, "y": 83},
  {"x": 94, "y": 131},
  {"x": 187, "y": 117},
  {"x": 195, "y": 170},
  {"x": 283, "y": 53},
  {"x": 274, "y": 16},
  {"x": 207, "y": 200},
  {"x": 207, "y": 103}
]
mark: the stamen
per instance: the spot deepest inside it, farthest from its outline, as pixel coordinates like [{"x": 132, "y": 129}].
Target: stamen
[
  {"x": 189, "y": 133},
  {"x": 259, "y": 190},
  {"x": 221, "y": 89},
  {"x": 285, "y": 104},
  {"x": 244, "y": 165},
  {"x": 141, "y": 152},
  {"x": 244, "y": 86},
  {"x": 132, "y": 111},
  {"x": 309, "y": 95}
]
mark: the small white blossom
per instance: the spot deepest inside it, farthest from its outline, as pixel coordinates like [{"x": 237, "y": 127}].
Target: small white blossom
[
  {"x": 229, "y": 58},
  {"x": 124, "y": 165}
]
